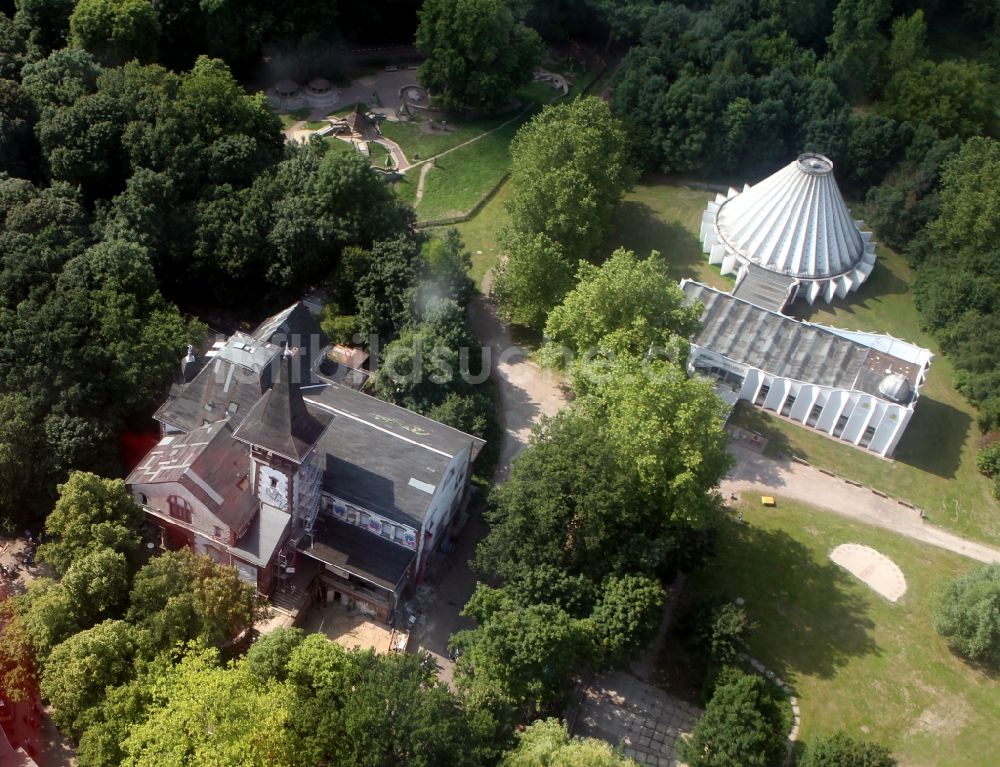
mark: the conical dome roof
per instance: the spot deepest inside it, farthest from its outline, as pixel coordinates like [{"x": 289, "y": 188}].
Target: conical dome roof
[{"x": 794, "y": 223}]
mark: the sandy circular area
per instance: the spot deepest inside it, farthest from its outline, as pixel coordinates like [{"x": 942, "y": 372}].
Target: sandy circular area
[{"x": 879, "y": 572}]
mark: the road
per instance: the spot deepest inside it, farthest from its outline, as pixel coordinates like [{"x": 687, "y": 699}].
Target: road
[
  {"x": 527, "y": 392},
  {"x": 756, "y": 473}
]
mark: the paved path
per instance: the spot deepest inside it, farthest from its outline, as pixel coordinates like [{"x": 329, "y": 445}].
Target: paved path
[
  {"x": 758, "y": 474},
  {"x": 644, "y": 720},
  {"x": 526, "y": 394}
]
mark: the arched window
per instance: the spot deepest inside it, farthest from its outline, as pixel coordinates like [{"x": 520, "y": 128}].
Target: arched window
[{"x": 179, "y": 508}]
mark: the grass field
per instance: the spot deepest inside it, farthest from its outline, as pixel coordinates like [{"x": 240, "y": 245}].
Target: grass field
[
  {"x": 462, "y": 178},
  {"x": 855, "y": 660}
]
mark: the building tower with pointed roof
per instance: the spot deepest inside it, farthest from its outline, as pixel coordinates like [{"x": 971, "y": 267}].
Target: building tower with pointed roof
[
  {"x": 791, "y": 233},
  {"x": 282, "y": 432}
]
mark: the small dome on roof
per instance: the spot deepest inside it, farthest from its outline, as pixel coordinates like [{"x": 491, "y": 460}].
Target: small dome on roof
[{"x": 896, "y": 387}]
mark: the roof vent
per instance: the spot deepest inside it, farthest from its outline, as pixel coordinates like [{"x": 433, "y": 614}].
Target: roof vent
[{"x": 896, "y": 387}]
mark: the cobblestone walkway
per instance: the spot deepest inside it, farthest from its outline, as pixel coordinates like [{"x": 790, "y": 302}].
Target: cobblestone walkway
[{"x": 643, "y": 719}]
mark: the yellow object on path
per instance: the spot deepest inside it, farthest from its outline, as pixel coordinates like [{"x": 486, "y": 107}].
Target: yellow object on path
[{"x": 767, "y": 500}]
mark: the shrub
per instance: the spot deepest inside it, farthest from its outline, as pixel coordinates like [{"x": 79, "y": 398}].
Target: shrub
[
  {"x": 841, "y": 750},
  {"x": 967, "y": 614}
]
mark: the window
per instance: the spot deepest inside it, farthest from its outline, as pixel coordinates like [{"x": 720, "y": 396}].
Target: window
[
  {"x": 387, "y": 530},
  {"x": 233, "y": 407},
  {"x": 399, "y": 534},
  {"x": 364, "y": 519},
  {"x": 143, "y": 499},
  {"x": 218, "y": 532},
  {"x": 274, "y": 481},
  {"x": 179, "y": 508}
]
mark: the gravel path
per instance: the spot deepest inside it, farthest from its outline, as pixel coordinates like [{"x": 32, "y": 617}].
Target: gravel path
[
  {"x": 758, "y": 474},
  {"x": 526, "y": 394}
]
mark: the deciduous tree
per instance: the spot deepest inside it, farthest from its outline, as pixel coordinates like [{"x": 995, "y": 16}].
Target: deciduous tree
[
  {"x": 478, "y": 52},
  {"x": 115, "y": 31},
  {"x": 967, "y": 614}
]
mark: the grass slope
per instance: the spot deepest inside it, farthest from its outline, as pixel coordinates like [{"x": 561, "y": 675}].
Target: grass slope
[{"x": 856, "y": 661}]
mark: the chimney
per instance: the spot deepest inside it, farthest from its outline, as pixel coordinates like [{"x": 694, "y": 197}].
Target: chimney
[{"x": 189, "y": 365}]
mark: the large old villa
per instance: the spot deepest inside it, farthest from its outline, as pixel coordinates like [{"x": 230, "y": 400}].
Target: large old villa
[{"x": 301, "y": 483}]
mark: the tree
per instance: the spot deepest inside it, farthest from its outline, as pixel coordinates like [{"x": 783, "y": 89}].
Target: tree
[
  {"x": 47, "y": 22},
  {"x": 528, "y": 651},
  {"x": 532, "y": 277},
  {"x": 967, "y": 614},
  {"x": 269, "y": 656},
  {"x": 955, "y": 98},
  {"x": 624, "y": 306},
  {"x": 547, "y": 743},
  {"x": 97, "y": 584},
  {"x": 115, "y": 31},
  {"x": 79, "y": 671},
  {"x": 909, "y": 41},
  {"x": 182, "y": 596},
  {"x": 60, "y": 79},
  {"x": 625, "y": 617},
  {"x": 18, "y": 146},
  {"x": 384, "y": 293},
  {"x": 478, "y": 52},
  {"x": 19, "y": 451},
  {"x": 841, "y": 750},
  {"x": 570, "y": 168},
  {"x": 17, "y": 667},
  {"x": 418, "y": 369},
  {"x": 859, "y": 43},
  {"x": 213, "y": 715},
  {"x": 91, "y": 513},
  {"x": 741, "y": 726},
  {"x": 48, "y": 616},
  {"x": 665, "y": 424}
]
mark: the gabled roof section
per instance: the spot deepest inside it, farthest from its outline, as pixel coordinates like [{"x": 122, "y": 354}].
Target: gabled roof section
[
  {"x": 815, "y": 354},
  {"x": 295, "y": 326},
  {"x": 385, "y": 458},
  {"x": 210, "y": 464},
  {"x": 232, "y": 380},
  {"x": 281, "y": 421}
]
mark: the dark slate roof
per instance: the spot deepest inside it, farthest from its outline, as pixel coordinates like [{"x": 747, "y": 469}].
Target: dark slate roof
[
  {"x": 789, "y": 348},
  {"x": 297, "y": 327},
  {"x": 369, "y": 556},
  {"x": 381, "y": 457},
  {"x": 263, "y": 537},
  {"x": 210, "y": 464},
  {"x": 229, "y": 384},
  {"x": 281, "y": 422}
]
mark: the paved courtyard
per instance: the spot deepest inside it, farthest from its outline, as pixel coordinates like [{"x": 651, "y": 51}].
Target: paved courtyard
[{"x": 644, "y": 720}]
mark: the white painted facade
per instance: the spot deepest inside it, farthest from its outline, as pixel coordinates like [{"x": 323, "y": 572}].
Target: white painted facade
[{"x": 858, "y": 418}]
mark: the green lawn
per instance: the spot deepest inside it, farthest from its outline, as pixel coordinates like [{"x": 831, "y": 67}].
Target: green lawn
[
  {"x": 855, "y": 660},
  {"x": 480, "y": 233},
  {"x": 419, "y": 143},
  {"x": 462, "y": 178},
  {"x": 665, "y": 217}
]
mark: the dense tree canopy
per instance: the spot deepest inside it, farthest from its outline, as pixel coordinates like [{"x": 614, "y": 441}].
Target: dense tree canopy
[
  {"x": 967, "y": 614},
  {"x": 478, "y": 51},
  {"x": 742, "y": 726},
  {"x": 624, "y": 306},
  {"x": 115, "y": 31},
  {"x": 547, "y": 742}
]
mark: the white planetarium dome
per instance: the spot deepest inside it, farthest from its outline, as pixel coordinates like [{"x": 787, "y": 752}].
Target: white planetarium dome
[{"x": 793, "y": 223}]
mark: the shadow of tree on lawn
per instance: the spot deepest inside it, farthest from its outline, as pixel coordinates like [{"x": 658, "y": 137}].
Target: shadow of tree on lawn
[{"x": 810, "y": 617}]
